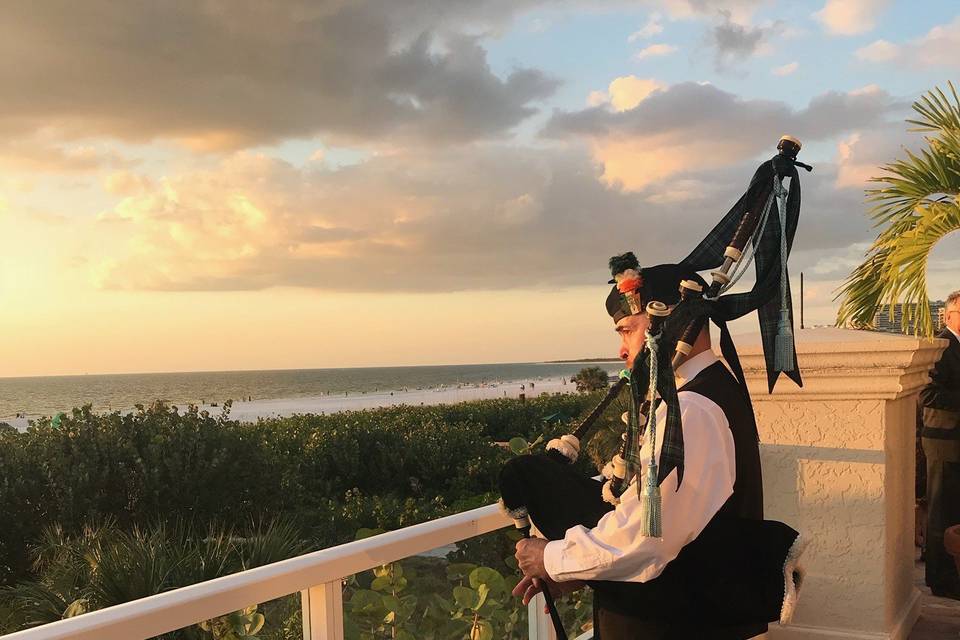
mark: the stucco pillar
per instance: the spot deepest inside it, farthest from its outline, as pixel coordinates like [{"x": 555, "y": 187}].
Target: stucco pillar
[{"x": 838, "y": 465}]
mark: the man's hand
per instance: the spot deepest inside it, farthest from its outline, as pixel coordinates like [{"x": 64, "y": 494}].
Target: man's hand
[
  {"x": 528, "y": 587},
  {"x": 530, "y": 557}
]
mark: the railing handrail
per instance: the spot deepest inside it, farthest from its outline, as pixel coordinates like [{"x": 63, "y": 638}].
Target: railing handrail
[{"x": 178, "y": 608}]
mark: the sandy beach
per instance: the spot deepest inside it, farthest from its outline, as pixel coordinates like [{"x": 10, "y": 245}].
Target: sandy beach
[{"x": 250, "y": 411}]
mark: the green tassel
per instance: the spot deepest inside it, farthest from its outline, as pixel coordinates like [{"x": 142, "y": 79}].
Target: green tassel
[
  {"x": 783, "y": 346},
  {"x": 650, "y": 514}
]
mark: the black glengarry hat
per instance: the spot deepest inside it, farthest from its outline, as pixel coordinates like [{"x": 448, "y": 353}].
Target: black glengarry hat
[{"x": 634, "y": 287}]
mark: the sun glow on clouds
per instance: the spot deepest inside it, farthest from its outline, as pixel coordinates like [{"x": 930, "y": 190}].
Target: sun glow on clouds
[
  {"x": 852, "y": 174},
  {"x": 655, "y": 51},
  {"x": 851, "y": 17},
  {"x": 939, "y": 47},
  {"x": 625, "y": 93},
  {"x": 343, "y": 173},
  {"x": 661, "y": 135},
  {"x": 633, "y": 165}
]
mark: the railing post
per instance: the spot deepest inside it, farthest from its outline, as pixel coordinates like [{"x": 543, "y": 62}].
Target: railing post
[
  {"x": 323, "y": 611},
  {"x": 540, "y": 624}
]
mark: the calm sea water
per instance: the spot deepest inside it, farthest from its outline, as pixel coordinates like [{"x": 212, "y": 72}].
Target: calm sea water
[{"x": 48, "y": 395}]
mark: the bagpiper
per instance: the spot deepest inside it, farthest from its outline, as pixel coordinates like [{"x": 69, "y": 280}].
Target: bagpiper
[{"x": 672, "y": 540}]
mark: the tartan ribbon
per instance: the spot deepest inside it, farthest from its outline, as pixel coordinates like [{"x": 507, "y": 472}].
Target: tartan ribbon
[
  {"x": 671, "y": 450},
  {"x": 763, "y": 297}
]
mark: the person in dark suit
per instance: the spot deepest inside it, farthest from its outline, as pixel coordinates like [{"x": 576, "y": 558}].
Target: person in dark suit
[{"x": 941, "y": 446}]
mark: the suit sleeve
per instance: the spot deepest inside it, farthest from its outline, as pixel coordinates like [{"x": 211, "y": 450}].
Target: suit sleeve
[
  {"x": 942, "y": 392},
  {"x": 614, "y": 549}
]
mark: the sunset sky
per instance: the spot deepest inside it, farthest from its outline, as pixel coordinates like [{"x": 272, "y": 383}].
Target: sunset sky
[{"x": 247, "y": 185}]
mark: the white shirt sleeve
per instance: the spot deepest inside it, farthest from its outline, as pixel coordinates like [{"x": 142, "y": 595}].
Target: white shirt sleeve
[{"x": 614, "y": 549}]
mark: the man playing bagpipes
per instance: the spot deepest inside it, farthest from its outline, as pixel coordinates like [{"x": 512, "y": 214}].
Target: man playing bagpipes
[{"x": 673, "y": 543}]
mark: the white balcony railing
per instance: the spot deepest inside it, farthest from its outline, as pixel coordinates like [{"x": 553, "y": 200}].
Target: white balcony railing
[{"x": 317, "y": 576}]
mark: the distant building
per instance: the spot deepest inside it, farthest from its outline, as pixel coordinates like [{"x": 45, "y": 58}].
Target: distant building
[{"x": 883, "y": 321}]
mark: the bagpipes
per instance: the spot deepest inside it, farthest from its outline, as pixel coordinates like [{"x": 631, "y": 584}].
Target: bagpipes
[
  {"x": 749, "y": 225},
  {"x": 759, "y": 228}
]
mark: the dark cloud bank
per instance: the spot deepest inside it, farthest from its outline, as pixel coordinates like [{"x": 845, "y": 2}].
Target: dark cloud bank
[
  {"x": 242, "y": 73},
  {"x": 412, "y": 76}
]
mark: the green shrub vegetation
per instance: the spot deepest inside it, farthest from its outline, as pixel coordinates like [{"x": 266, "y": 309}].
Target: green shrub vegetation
[
  {"x": 164, "y": 481},
  {"x": 590, "y": 379},
  {"x": 104, "y": 565}
]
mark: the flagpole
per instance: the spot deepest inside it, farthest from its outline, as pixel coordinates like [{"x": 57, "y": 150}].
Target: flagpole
[{"x": 801, "y": 299}]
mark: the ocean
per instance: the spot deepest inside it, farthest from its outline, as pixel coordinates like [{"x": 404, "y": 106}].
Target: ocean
[{"x": 36, "y": 396}]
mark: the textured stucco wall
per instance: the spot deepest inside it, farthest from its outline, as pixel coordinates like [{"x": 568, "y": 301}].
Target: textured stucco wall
[
  {"x": 834, "y": 494},
  {"x": 901, "y": 417},
  {"x": 838, "y": 466}
]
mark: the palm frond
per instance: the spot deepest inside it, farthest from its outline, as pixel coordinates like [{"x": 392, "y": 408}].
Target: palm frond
[
  {"x": 916, "y": 207},
  {"x": 930, "y": 174},
  {"x": 138, "y": 564},
  {"x": 270, "y": 541},
  {"x": 33, "y": 604},
  {"x": 895, "y": 271}
]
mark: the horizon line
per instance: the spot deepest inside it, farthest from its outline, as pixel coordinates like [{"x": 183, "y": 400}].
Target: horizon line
[{"x": 393, "y": 366}]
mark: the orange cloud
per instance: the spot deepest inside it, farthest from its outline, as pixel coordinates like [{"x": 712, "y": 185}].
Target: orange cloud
[
  {"x": 849, "y": 172},
  {"x": 672, "y": 130},
  {"x": 47, "y": 154},
  {"x": 632, "y": 165},
  {"x": 851, "y": 17},
  {"x": 126, "y": 183},
  {"x": 627, "y": 92}
]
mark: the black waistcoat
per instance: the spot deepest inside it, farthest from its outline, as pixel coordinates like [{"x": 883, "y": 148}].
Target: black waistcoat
[
  {"x": 716, "y": 383},
  {"x": 666, "y": 607}
]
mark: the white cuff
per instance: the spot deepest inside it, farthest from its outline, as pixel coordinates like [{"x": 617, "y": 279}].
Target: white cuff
[{"x": 551, "y": 559}]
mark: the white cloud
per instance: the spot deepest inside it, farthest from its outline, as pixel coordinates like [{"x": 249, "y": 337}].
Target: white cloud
[
  {"x": 666, "y": 133},
  {"x": 851, "y": 17},
  {"x": 492, "y": 217},
  {"x": 861, "y": 154},
  {"x": 786, "y": 69},
  {"x": 409, "y": 221},
  {"x": 867, "y": 90},
  {"x": 878, "y": 51},
  {"x": 939, "y": 47},
  {"x": 655, "y": 50},
  {"x": 597, "y": 98},
  {"x": 739, "y": 10},
  {"x": 652, "y": 27},
  {"x": 625, "y": 93}
]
